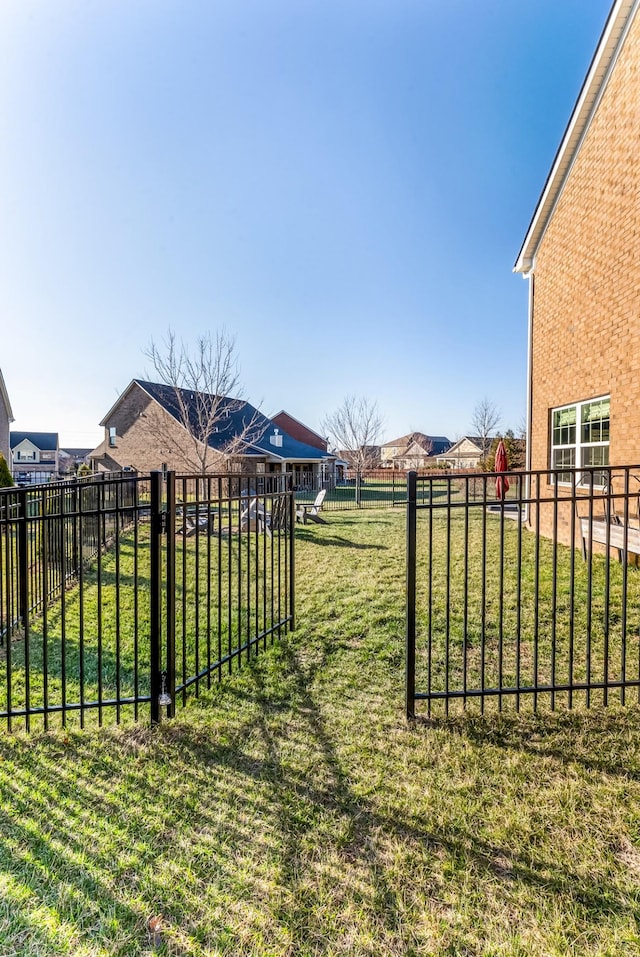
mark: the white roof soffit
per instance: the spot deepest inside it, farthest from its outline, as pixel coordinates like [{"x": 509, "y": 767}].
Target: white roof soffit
[{"x": 613, "y": 35}]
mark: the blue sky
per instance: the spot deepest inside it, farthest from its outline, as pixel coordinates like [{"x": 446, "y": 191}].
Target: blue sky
[{"x": 344, "y": 185}]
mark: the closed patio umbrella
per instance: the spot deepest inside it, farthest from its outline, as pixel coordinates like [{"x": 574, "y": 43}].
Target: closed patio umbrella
[{"x": 502, "y": 482}]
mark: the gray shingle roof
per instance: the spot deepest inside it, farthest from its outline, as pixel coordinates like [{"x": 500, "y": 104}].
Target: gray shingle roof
[
  {"x": 439, "y": 443},
  {"x": 45, "y": 441},
  {"x": 236, "y": 418}
]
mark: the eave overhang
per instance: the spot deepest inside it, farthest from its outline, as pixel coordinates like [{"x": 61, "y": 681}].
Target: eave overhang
[{"x": 613, "y": 35}]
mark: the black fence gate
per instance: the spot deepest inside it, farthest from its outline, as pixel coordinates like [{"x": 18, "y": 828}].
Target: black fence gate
[
  {"x": 122, "y": 595},
  {"x": 531, "y": 599}
]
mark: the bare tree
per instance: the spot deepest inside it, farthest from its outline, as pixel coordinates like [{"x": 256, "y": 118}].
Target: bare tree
[
  {"x": 484, "y": 422},
  {"x": 355, "y": 428},
  {"x": 206, "y": 394}
]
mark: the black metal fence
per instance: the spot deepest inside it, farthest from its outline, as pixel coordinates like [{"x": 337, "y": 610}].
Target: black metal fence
[
  {"x": 121, "y": 596},
  {"x": 531, "y": 601},
  {"x": 381, "y": 488},
  {"x": 47, "y": 531}
]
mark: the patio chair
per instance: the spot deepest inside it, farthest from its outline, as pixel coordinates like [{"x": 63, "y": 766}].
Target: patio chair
[
  {"x": 198, "y": 518},
  {"x": 311, "y": 513},
  {"x": 256, "y": 515},
  {"x": 278, "y": 518}
]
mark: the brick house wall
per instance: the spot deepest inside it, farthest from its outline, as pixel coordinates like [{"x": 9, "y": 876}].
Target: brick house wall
[
  {"x": 5, "y": 447},
  {"x": 585, "y": 333},
  {"x": 6, "y": 418},
  {"x": 147, "y": 437}
]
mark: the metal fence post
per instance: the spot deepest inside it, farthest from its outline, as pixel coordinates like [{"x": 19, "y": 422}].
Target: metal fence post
[
  {"x": 411, "y": 594},
  {"x": 170, "y": 604},
  {"x": 23, "y": 561},
  {"x": 155, "y": 579},
  {"x": 292, "y": 558}
]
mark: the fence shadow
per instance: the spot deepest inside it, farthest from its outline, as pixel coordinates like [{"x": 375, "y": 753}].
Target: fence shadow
[
  {"x": 569, "y": 737},
  {"x": 336, "y": 540}
]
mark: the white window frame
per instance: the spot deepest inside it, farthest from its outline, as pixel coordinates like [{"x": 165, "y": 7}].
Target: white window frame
[{"x": 578, "y": 446}]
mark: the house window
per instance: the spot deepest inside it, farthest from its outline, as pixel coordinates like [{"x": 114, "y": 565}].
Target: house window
[
  {"x": 580, "y": 439},
  {"x": 112, "y": 436}
]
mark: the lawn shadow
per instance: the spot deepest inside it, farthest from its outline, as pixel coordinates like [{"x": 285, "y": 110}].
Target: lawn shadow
[
  {"x": 598, "y": 739},
  {"x": 327, "y": 787},
  {"x": 337, "y": 540},
  {"x": 271, "y": 777}
]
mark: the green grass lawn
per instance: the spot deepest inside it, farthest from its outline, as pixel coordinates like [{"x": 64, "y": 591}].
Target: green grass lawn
[
  {"x": 509, "y": 610},
  {"x": 92, "y": 640},
  {"x": 292, "y": 810},
  {"x": 376, "y": 492}
]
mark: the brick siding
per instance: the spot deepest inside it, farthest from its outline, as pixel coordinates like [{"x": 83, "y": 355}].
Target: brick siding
[
  {"x": 586, "y": 297},
  {"x": 5, "y": 447},
  {"x": 148, "y": 437}
]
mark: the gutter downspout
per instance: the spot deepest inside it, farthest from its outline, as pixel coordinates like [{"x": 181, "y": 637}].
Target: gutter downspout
[{"x": 531, "y": 277}]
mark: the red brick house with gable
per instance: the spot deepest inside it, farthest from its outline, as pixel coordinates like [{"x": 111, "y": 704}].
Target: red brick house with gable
[
  {"x": 581, "y": 255},
  {"x": 297, "y": 430}
]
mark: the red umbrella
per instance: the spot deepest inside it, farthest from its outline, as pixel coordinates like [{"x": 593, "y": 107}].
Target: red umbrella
[{"x": 502, "y": 482}]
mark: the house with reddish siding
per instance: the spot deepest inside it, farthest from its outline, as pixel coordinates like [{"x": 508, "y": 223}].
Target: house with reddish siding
[
  {"x": 581, "y": 259},
  {"x": 297, "y": 430}
]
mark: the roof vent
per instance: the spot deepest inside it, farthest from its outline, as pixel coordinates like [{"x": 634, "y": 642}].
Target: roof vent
[{"x": 276, "y": 439}]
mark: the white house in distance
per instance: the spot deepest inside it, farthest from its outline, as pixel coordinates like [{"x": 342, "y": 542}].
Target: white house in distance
[
  {"x": 466, "y": 453},
  {"x": 413, "y": 451},
  {"x": 34, "y": 456}
]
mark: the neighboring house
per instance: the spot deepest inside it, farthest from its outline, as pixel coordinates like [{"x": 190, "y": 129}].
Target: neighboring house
[
  {"x": 580, "y": 255},
  {"x": 144, "y": 431},
  {"x": 413, "y": 451},
  {"x": 6, "y": 418},
  {"x": 34, "y": 457},
  {"x": 70, "y": 460},
  {"x": 297, "y": 430},
  {"x": 466, "y": 453}
]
